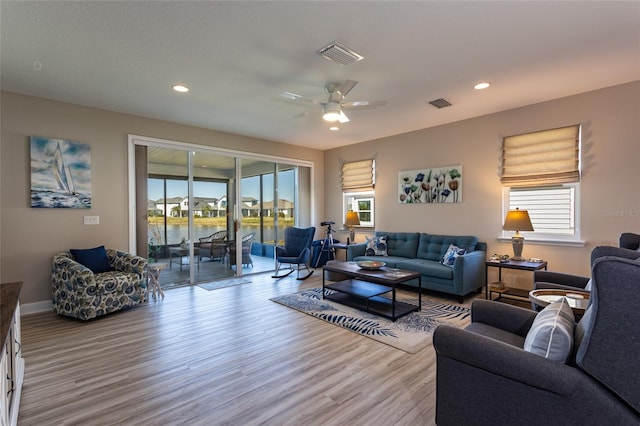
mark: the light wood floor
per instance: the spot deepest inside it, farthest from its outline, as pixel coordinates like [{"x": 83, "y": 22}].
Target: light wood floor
[{"x": 223, "y": 357}]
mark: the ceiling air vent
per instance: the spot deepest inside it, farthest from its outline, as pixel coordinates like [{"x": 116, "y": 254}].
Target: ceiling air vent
[
  {"x": 339, "y": 53},
  {"x": 440, "y": 103}
]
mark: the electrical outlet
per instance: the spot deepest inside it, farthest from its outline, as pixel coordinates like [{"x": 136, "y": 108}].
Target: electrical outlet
[{"x": 92, "y": 220}]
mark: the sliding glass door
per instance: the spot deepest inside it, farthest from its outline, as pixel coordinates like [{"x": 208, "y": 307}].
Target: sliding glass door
[{"x": 212, "y": 215}]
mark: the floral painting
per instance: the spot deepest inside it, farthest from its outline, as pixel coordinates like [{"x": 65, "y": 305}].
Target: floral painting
[
  {"x": 436, "y": 185},
  {"x": 60, "y": 173}
]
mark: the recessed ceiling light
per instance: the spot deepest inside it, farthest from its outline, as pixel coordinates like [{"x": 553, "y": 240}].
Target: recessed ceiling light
[
  {"x": 180, "y": 88},
  {"x": 481, "y": 86},
  {"x": 334, "y": 128}
]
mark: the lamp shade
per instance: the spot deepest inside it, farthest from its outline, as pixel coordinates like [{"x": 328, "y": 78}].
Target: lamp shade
[
  {"x": 517, "y": 220},
  {"x": 352, "y": 218}
]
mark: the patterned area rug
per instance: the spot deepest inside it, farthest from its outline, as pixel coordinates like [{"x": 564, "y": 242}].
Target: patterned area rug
[
  {"x": 224, "y": 283},
  {"x": 410, "y": 333}
]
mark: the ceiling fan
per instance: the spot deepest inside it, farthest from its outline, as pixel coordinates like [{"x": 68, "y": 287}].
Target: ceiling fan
[{"x": 332, "y": 108}]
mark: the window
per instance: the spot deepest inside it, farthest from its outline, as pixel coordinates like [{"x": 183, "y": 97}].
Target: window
[
  {"x": 361, "y": 203},
  {"x": 541, "y": 174},
  {"x": 552, "y": 210},
  {"x": 358, "y": 183}
]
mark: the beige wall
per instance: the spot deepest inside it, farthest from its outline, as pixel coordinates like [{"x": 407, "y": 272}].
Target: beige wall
[
  {"x": 29, "y": 237},
  {"x": 610, "y": 199}
]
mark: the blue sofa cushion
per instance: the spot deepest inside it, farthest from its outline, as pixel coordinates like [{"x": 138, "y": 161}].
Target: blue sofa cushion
[
  {"x": 402, "y": 244},
  {"x": 95, "y": 259},
  {"x": 434, "y": 247},
  {"x": 427, "y": 268}
]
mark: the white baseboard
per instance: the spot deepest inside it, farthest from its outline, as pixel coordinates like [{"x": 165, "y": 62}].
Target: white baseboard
[{"x": 35, "y": 307}]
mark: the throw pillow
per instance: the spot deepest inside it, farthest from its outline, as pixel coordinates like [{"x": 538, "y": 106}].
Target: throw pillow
[
  {"x": 95, "y": 259},
  {"x": 376, "y": 246},
  {"x": 551, "y": 334},
  {"x": 450, "y": 256},
  {"x": 588, "y": 286}
]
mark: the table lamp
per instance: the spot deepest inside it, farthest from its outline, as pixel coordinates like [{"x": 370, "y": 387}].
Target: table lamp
[
  {"x": 352, "y": 220},
  {"x": 517, "y": 220}
]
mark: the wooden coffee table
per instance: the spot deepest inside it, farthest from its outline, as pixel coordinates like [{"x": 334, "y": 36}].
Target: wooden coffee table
[{"x": 365, "y": 289}]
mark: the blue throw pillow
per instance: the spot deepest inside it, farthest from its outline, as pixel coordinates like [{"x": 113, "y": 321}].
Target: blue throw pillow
[
  {"x": 95, "y": 259},
  {"x": 450, "y": 256}
]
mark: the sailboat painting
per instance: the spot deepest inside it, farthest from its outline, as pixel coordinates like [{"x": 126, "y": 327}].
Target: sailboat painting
[{"x": 60, "y": 173}]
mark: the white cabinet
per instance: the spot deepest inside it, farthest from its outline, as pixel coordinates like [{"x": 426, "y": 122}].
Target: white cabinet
[{"x": 11, "y": 361}]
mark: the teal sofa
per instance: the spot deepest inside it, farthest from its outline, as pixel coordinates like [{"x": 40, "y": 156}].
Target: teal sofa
[{"x": 423, "y": 253}]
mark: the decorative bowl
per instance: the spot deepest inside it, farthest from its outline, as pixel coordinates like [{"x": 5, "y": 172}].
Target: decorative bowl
[{"x": 370, "y": 265}]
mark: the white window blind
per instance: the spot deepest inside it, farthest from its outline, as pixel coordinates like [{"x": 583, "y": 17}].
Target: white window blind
[
  {"x": 363, "y": 203},
  {"x": 358, "y": 176},
  {"x": 549, "y": 157},
  {"x": 551, "y": 209}
]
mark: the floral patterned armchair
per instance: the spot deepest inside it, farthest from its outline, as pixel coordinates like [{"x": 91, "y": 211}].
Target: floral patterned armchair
[{"x": 80, "y": 293}]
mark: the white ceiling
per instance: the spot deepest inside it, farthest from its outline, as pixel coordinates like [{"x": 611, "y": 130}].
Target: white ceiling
[{"x": 238, "y": 57}]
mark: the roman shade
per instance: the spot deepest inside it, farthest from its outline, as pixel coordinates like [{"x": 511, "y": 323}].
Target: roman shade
[
  {"x": 549, "y": 157},
  {"x": 358, "y": 176}
]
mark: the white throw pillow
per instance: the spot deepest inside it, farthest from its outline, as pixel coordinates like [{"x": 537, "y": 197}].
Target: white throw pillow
[
  {"x": 449, "y": 257},
  {"x": 376, "y": 246},
  {"x": 551, "y": 334}
]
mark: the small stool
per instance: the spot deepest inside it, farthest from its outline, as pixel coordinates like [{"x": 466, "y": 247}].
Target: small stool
[{"x": 154, "y": 270}]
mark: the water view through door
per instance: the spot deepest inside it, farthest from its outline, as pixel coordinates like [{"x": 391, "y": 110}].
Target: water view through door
[{"x": 200, "y": 194}]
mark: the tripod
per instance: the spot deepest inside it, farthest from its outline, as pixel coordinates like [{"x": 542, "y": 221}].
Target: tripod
[{"x": 327, "y": 244}]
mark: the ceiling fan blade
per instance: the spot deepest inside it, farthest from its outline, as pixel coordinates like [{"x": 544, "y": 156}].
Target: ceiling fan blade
[
  {"x": 300, "y": 98},
  {"x": 343, "y": 118},
  {"x": 300, "y": 115},
  {"x": 363, "y": 104},
  {"x": 346, "y": 87}
]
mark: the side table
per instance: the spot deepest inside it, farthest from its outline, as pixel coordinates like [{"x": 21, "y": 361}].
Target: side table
[
  {"x": 499, "y": 287},
  {"x": 341, "y": 246},
  {"x": 183, "y": 252},
  {"x": 154, "y": 270},
  {"x": 578, "y": 300}
]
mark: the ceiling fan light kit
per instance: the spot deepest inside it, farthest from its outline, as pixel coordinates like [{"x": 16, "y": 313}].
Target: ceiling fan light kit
[
  {"x": 332, "y": 112},
  {"x": 332, "y": 109}
]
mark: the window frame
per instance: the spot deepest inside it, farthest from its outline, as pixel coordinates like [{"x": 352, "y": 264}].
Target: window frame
[
  {"x": 548, "y": 238},
  {"x": 358, "y": 196}
]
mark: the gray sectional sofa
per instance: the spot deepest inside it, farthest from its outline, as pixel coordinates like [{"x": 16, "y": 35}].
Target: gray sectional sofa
[{"x": 423, "y": 253}]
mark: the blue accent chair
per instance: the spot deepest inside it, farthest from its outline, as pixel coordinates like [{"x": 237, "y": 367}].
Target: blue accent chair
[{"x": 296, "y": 251}]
